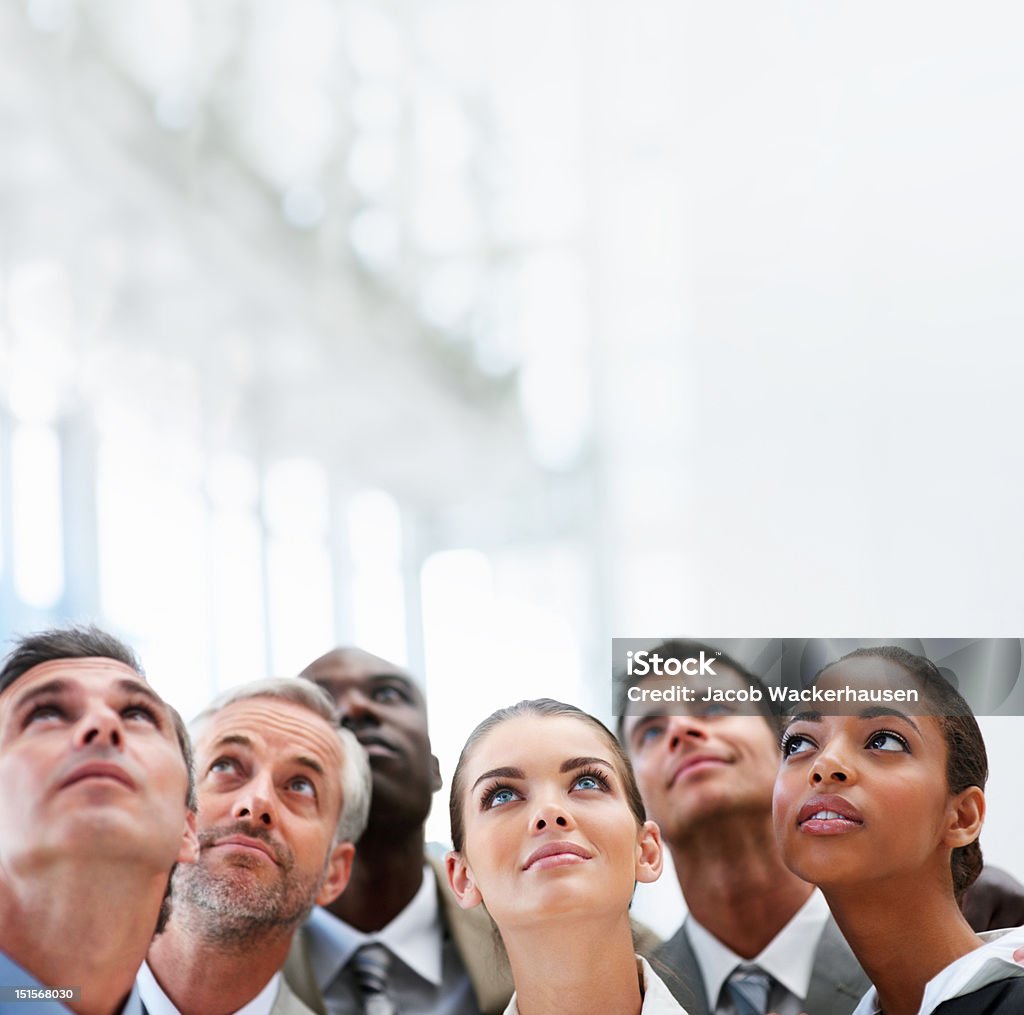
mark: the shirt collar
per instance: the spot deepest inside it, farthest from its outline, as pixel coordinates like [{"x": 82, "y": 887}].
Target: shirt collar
[
  {"x": 788, "y": 957},
  {"x": 414, "y": 936},
  {"x": 158, "y": 1003},
  {"x": 977, "y": 969}
]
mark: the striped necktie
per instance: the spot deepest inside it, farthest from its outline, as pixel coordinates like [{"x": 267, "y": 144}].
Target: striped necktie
[
  {"x": 370, "y": 965},
  {"x": 748, "y": 987}
]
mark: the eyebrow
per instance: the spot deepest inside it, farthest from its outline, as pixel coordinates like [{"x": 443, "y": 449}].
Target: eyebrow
[
  {"x": 233, "y": 738},
  {"x": 873, "y": 712},
  {"x": 571, "y": 764},
  {"x": 310, "y": 763},
  {"x": 500, "y": 773}
]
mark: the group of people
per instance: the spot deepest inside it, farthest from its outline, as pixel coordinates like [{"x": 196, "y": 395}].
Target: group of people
[{"x": 271, "y": 859}]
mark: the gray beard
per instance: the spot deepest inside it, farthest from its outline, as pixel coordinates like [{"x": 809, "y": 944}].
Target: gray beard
[{"x": 235, "y": 911}]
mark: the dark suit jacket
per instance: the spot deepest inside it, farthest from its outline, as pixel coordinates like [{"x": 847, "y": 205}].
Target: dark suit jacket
[
  {"x": 1005, "y": 997},
  {"x": 837, "y": 981}
]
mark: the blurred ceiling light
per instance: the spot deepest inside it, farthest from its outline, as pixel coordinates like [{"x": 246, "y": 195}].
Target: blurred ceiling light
[
  {"x": 303, "y": 207},
  {"x": 372, "y": 164},
  {"x": 447, "y": 293},
  {"x": 376, "y": 106},
  {"x": 374, "y": 235},
  {"x": 175, "y": 108},
  {"x": 49, "y": 15},
  {"x": 375, "y": 48}
]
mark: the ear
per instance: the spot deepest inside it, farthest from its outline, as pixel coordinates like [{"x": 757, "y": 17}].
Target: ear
[
  {"x": 189, "y": 851},
  {"x": 649, "y": 853},
  {"x": 461, "y": 882},
  {"x": 435, "y": 774},
  {"x": 336, "y": 872},
  {"x": 966, "y": 816}
]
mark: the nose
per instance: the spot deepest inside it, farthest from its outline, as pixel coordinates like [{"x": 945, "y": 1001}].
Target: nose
[
  {"x": 255, "y": 802},
  {"x": 685, "y": 729},
  {"x": 550, "y": 813},
  {"x": 100, "y": 726},
  {"x": 833, "y": 764},
  {"x": 355, "y": 710}
]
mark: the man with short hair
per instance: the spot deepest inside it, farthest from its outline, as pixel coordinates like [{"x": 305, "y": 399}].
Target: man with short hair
[
  {"x": 396, "y": 932},
  {"x": 96, "y": 787},
  {"x": 283, "y": 792}
]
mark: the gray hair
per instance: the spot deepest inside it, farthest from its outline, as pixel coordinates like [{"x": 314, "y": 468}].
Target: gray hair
[{"x": 355, "y": 772}]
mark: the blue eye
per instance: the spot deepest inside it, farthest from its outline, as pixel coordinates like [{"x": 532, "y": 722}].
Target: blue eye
[
  {"x": 300, "y": 784},
  {"x": 796, "y": 743},
  {"x": 648, "y": 733},
  {"x": 590, "y": 781},
  {"x": 717, "y": 709},
  {"x": 886, "y": 740},
  {"x": 498, "y": 796},
  {"x": 224, "y": 765}
]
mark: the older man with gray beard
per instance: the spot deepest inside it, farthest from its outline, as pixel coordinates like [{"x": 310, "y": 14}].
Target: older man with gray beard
[{"x": 283, "y": 793}]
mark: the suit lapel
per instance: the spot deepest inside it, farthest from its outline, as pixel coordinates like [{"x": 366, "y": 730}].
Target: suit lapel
[{"x": 837, "y": 981}]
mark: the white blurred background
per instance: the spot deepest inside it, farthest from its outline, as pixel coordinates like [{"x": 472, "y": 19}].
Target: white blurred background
[{"x": 476, "y": 333}]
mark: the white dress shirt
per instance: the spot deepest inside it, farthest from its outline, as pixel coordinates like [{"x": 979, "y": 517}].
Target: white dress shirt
[
  {"x": 991, "y": 962},
  {"x": 158, "y": 1003},
  {"x": 658, "y": 1000},
  {"x": 788, "y": 959},
  {"x": 427, "y": 976}
]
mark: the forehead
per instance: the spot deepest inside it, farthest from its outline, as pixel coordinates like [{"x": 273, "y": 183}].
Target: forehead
[
  {"x": 726, "y": 678},
  {"x": 276, "y": 729},
  {"x": 871, "y": 673},
  {"x": 339, "y": 672},
  {"x": 538, "y": 741},
  {"x": 98, "y": 675}
]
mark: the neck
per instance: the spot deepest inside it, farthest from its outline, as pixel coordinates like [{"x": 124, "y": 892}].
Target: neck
[
  {"x": 928, "y": 916},
  {"x": 569, "y": 967},
  {"x": 83, "y": 924},
  {"x": 387, "y": 872},
  {"x": 735, "y": 883},
  {"x": 204, "y": 977}
]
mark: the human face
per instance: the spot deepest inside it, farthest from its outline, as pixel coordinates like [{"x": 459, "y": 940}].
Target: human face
[
  {"x": 548, "y": 829},
  {"x": 269, "y": 800},
  {"x": 386, "y": 712},
  {"x": 90, "y": 767},
  {"x": 863, "y": 796},
  {"x": 705, "y": 766}
]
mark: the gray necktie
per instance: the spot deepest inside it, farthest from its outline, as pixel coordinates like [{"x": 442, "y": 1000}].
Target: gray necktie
[
  {"x": 748, "y": 987},
  {"x": 370, "y": 966}
]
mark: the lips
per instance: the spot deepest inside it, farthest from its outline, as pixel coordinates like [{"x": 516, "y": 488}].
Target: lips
[
  {"x": 556, "y": 854},
  {"x": 693, "y": 763},
  {"x": 245, "y": 842},
  {"x": 107, "y": 770},
  {"x": 829, "y": 815},
  {"x": 377, "y": 746}
]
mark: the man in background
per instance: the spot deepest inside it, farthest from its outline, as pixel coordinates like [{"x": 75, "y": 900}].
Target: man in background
[
  {"x": 282, "y": 793},
  {"x": 396, "y": 932},
  {"x": 96, "y": 786}
]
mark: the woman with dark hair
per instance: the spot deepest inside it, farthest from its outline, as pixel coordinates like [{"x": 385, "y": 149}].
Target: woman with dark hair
[
  {"x": 881, "y": 808},
  {"x": 550, "y": 832}
]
